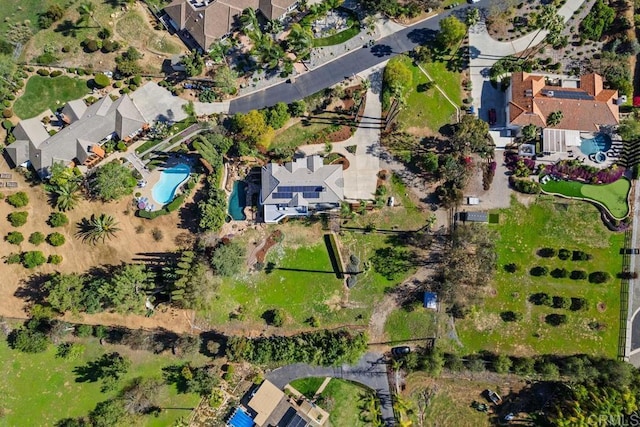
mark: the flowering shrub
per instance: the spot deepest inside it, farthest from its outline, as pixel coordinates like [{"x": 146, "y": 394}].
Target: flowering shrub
[
  {"x": 520, "y": 166},
  {"x": 576, "y": 171}
]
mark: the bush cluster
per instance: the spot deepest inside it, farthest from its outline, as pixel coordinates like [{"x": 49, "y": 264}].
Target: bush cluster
[
  {"x": 18, "y": 200},
  {"x": 58, "y": 219},
  {"x": 56, "y": 239},
  {"x": 573, "y": 304},
  {"x": 18, "y": 219}
]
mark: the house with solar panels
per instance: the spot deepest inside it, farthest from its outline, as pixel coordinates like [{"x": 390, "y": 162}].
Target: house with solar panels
[{"x": 300, "y": 188}]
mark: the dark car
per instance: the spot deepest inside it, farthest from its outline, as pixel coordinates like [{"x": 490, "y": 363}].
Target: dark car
[
  {"x": 492, "y": 116},
  {"x": 400, "y": 351}
]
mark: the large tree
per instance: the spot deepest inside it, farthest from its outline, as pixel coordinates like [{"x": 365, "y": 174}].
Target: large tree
[
  {"x": 66, "y": 292},
  {"x": 451, "y": 33},
  {"x": 113, "y": 181},
  {"x": 472, "y": 135},
  {"x": 127, "y": 289}
]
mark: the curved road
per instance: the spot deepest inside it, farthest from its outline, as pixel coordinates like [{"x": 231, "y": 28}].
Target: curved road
[
  {"x": 347, "y": 65},
  {"x": 371, "y": 371}
]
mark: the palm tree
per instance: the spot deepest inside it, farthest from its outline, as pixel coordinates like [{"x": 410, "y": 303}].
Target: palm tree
[
  {"x": 86, "y": 11},
  {"x": 97, "y": 228},
  {"x": 549, "y": 20},
  {"x": 249, "y": 20},
  {"x": 300, "y": 40},
  {"x": 66, "y": 195}
]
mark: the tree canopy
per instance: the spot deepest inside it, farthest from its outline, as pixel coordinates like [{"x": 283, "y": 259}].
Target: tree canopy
[
  {"x": 113, "y": 181},
  {"x": 451, "y": 33}
]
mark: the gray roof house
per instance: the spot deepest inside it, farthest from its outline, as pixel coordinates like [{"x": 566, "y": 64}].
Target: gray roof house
[
  {"x": 88, "y": 128},
  {"x": 300, "y": 187},
  {"x": 209, "y": 20}
]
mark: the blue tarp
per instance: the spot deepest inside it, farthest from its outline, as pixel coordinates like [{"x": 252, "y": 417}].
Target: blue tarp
[
  {"x": 430, "y": 300},
  {"x": 240, "y": 419}
]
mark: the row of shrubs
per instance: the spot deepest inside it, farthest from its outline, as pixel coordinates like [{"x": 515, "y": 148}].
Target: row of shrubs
[
  {"x": 564, "y": 254},
  {"x": 171, "y": 207},
  {"x": 565, "y": 303},
  {"x": 54, "y": 239},
  {"x": 45, "y": 73},
  {"x": 596, "y": 277},
  {"x": 32, "y": 259}
]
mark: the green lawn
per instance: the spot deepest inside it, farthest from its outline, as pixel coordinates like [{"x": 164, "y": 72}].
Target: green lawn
[
  {"x": 338, "y": 38},
  {"x": 403, "y": 325},
  {"x": 17, "y": 11},
  {"x": 307, "y": 386},
  {"x": 40, "y": 389},
  {"x": 430, "y": 109},
  {"x": 342, "y": 400},
  {"x": 42, "y": 93},
  {"x": 612, "y": 196},
  {"x": 555, "y": 223}
]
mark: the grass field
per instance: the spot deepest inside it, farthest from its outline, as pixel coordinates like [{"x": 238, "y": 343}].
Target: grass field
[
  {"x": 307, "y": 386},
  {"x": 405, "y": 325},
  {"x": 554, "y": 223},
  {"x": 43, "y": 93},
  {"x": 18, "y": 11},
  {"x": 303, "y": 133},
  {"x": 612, "y": 196},
  {"x": 430, "y": 109},
  {"x": 40, "y": 389},
  {"x": 342, "y": 400}
]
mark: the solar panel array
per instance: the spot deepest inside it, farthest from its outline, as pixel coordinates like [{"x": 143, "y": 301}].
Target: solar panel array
[
  {"x": 299, "y": 188},
  {"x": 282, "y": 195},
  {"x": 569, "y": 94},
  {"x": 292, "y": 419}
]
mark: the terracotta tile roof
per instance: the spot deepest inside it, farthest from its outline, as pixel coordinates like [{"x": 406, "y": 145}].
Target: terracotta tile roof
[{"x": 585, "y": 108}]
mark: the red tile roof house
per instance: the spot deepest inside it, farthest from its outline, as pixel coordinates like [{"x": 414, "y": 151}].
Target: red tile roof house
[
  {"x": 586, "y": 106},
  {"x": 209, "y": 20}
]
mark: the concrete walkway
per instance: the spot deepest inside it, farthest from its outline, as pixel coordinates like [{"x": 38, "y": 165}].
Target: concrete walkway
[
  {"x": 486, "y": 51},
  {"x": 370, "y": 371},
  {"x": 361, "y": 178}
]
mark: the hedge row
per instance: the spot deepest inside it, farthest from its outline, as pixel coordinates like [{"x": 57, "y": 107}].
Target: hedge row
[
  {"x": 171, "y": 207},
  {"x": 561, "y": 273}
]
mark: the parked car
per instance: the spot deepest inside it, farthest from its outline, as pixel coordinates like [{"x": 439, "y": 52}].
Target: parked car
[
  {"x": 400, "y": 351},
  {"x": 451, "y": 6},
  {"x": 492, "y": 116}
]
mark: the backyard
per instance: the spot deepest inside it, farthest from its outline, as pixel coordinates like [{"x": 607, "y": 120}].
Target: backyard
[
  {"x": 512, "y": 320},
  {"x": 301, "y": 280},
  {"x": 430, "y": 108},
  {"x": 342, "y": 399},
  {"x": 614, "y": 196},
  {"x": 40, "y": 389},
  {"x": 42, "y": 93}
]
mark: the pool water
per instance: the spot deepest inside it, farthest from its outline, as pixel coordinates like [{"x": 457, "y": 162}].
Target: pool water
[
  {"x": 170, "y": 179},
  {"x": 600, "y": 142},
  {"x": 238, "y": 201}
]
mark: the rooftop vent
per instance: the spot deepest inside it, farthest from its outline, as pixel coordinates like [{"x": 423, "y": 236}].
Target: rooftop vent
[{"x": 549, "y": 93}]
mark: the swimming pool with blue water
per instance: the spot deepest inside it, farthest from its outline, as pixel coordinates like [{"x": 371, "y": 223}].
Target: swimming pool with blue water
[
  {"x": 170, "y": 179},
  {"x": 599, "y": 143}
]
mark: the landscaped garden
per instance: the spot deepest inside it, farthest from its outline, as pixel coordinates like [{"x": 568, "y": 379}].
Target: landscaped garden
[
  {"x": 42, "y": 93},
  {"x": 613, "y": 196},
  {"x": 555, "y": 289}
]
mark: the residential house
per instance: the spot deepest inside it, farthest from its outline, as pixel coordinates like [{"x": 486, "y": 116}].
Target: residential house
[
  {"x": 585, "y": 104},
  {"x": 79, "y": 143},
  {"x": 209, "y": 20},
  {"x": 270, "y": 406},
  {"x": 300, "y": 187}
]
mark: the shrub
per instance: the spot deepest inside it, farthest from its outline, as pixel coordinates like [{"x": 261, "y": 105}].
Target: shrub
[
  {"x": 14, "y": 237},
  {"x": 511, "y": 267},
  {"x": 547, "y": 252},
  {"x": 559, "y": 273},
  {"x": 7, "y": 113},
  {"x": 578, "y": 275},
  {"x": 7, "y": 124},
  {"x": 66, "y": 48},
  {"x": 274, "y": 317},
  {"x": 33, "y": 259},
  {"x": 578, "y": 304},
  {"x": 540, "y": 298},
  {"x": 18, "y": 200},
  {"x": 101, "y": 81},
  {"x": 58, "y": 219},
  {"x": 83, "y": 331},
  {"x": 55, "y": 73},
  {"x": 12, "y": 258},
  {"x": 43, "y": 72},
  {"x": 598, "y": 277},
  {"x": 561, "y": 302},
  {"x": 136, "y": 80},
  {"x": 54, "y": 259},
  {"x": 18, "y": 219},
  {"x": 510, "y": 316},
  {"x": 110, "y": 46},
  {"x": 56, "y": 239},
  {"x": 555, "y": 319},
  {"x": 580, "y": 256},
  {"x": 564, "y": 254},
  {"x": 36, "y": 238},
  {"x": 157, "y": 234},
  {"x": 539, "y": 271}
]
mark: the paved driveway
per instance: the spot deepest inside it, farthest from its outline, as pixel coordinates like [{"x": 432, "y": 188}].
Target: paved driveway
[{"x": 371, "y": 371}]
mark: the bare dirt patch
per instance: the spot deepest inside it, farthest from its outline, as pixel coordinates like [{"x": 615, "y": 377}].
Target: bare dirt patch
[{"x": 601, "y": 307}]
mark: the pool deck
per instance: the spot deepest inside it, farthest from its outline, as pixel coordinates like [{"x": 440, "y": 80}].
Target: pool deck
[{"x": 154, "y": 176}]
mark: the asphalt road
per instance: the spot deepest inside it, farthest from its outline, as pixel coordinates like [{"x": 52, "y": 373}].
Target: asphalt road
[
  {"x": 349, "y": 64},
  {"x": 371, "y": 371}
]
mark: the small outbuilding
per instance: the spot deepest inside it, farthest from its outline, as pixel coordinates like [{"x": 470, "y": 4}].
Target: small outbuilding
[{"x": 473, "y": 216}]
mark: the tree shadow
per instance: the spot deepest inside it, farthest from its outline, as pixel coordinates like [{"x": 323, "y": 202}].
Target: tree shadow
[
  {"x": 421, "y": 35},
  {"x": 32, "y": 289},
  {"x": 67, "y": 28},
  {"x": 381, "y": 50}
]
